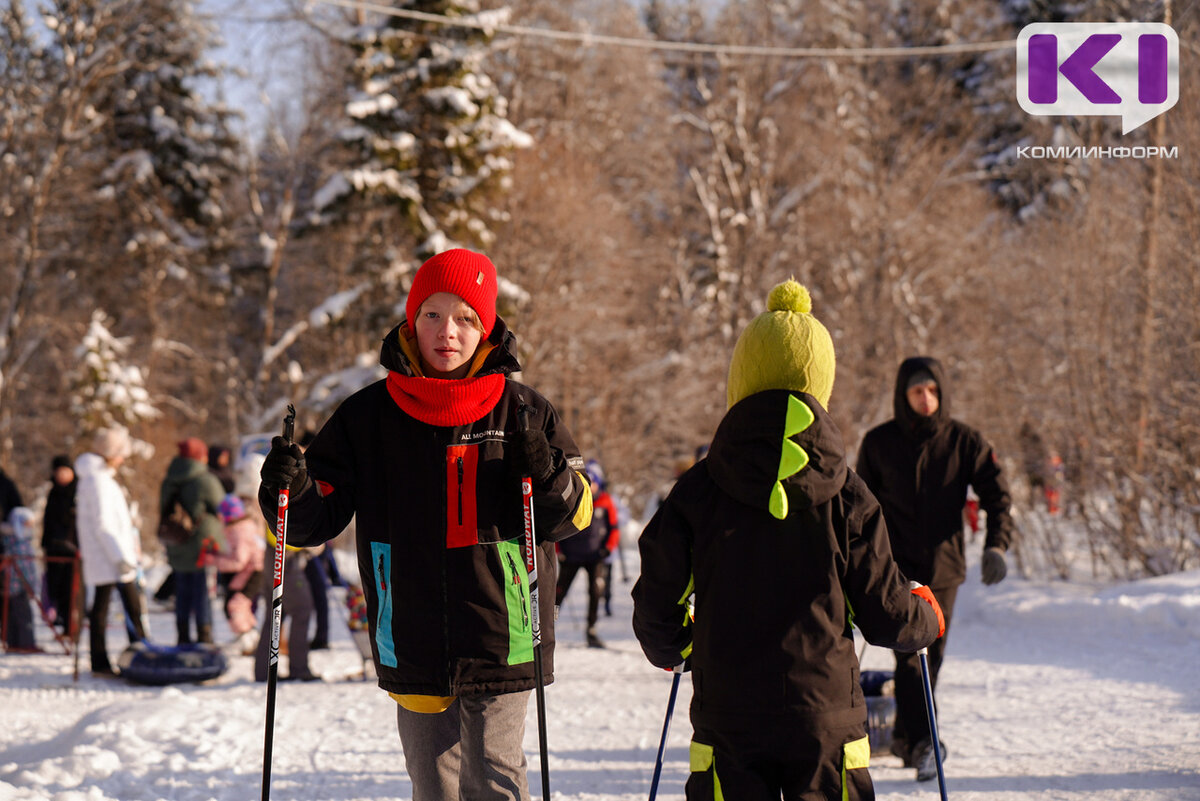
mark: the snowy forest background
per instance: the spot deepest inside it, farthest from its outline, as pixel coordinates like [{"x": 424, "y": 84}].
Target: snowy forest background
[{"x": 185, "y": 267}]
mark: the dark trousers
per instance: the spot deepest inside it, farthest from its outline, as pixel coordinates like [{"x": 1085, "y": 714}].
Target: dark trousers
[
  {"x": 597, "y": 581},
  {"x": 296, "y": 604},
  {"x": 18, "y": 626},
  {"x": 131, "y": 599},
  {"x": 320, "y": 597},
  {"x": 191, "y": 602},
  {"x": 59, "y": 576},
  {"x": 763, "y": 766},
  {"x": 912, "y": 722}
]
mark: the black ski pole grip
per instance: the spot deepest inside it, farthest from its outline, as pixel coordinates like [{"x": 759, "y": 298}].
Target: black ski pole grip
[{"x": 289, "y": 423}]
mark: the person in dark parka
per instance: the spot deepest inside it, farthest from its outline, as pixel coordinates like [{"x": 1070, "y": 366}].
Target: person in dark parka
[
  {"x": 60, "y": 540},
  {"x": 919, "y": 465},
  {"x": 200, "y": 492},
  {"x": 785, "y": 551}
]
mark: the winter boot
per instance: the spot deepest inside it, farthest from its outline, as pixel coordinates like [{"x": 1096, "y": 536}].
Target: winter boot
[
  {"x": 184, "y": 633},
  {"x": 593, "y": 640},
  {"x": 925, "y": 760},
  {"x": 204, "y": 634}
]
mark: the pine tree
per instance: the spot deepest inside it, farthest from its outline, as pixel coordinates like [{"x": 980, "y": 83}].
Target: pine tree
[
  {"x": 430, "y": 140},
  {"x": 105, "y": 390}
]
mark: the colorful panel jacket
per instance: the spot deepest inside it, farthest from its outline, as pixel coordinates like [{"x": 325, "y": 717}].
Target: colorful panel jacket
[
  {"x": 439, "y": 527},
  {"x": 784, "y": 549}
]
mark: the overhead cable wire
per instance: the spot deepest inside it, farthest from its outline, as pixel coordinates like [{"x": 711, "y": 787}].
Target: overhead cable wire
[{"x": 687, "y": 47}]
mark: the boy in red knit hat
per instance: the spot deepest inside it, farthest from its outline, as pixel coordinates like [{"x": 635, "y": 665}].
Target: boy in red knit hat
[{"x": 428, "y": 462}]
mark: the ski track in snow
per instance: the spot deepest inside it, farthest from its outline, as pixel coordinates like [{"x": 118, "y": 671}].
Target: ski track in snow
[{"x": 1049, "y": 691}]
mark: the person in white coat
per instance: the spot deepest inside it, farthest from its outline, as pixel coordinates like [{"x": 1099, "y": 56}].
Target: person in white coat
[{"x": 108, "y": 542}]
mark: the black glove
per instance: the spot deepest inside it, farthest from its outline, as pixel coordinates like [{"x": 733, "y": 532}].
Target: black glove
[
  {"x": 994, "y": 567},
  {"x": 531, "y": 456},
  {"x": 284, "y": 466},
  {"x": 683, "y": 667}
]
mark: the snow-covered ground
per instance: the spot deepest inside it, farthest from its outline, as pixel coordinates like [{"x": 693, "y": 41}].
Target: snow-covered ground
[{"x": 1050, "y": 691}]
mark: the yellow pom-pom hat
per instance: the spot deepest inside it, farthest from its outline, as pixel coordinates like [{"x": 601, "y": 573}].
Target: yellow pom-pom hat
[{"x": 785, "y": 347}]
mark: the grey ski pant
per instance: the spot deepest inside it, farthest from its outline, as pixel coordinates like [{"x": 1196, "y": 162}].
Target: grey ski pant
[{"x": 471, "y": 752}]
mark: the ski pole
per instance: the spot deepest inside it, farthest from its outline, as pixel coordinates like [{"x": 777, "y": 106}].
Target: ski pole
[
  {"x": 929, "y": 711},
  {"x": 534, "y": 612},
  {"x": 662, "y": 745},
  {"x": 276, "y": 613}
]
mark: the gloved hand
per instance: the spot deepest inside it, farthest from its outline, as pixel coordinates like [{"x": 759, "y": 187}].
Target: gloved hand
[
  {"x": 994, "y": 567},
  {"x": 602, "y": 554},
  {"x": 531, "y": 456},
  {"x": 921, "y": 591},
  {"x": 284, "y": 466},
  {"x": 683, "y": 667}
]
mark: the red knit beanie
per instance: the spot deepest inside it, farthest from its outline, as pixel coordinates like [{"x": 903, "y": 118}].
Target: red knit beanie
[
  {"x": 470, "y": 275},
  {"x": 193, "y": 448}
]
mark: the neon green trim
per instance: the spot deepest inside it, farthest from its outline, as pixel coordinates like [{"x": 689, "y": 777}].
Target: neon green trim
[
  {"x": 700, "y": 760},
  {"x": 855, "y": 755},
  {"x": 792, "y": 457},
  {"x": 799, "y": 417},
  {"x": 691, "y": 588},
  {"x": 792, "y": 460},
  {"x": 516, "y": 600},
  {"x": 778, "y": 504},
  {"x": 700, "y": 757},
  {"x": 686, "y": 652}
]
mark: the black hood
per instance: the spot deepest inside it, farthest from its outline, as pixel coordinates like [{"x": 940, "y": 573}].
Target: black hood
[
  {"x": 909, "y": 420},
  {"x": 502, "y": 359},
  {"x": 745, "y": 455}
]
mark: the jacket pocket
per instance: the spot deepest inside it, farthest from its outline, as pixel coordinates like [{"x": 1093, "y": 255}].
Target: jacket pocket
[
  {"x": 516, "y": 601},
  {"x": 381, "y": 563},
  {"x": 462, "y": 470}
]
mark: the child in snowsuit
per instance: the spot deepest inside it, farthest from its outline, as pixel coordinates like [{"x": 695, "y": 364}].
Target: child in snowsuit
[
  {"x": 429, "y": 461},
  {"x": 589, "y": 551},
  {"x": 22, "y": 581},
  {"x": 239, "y": 566},
  {"x": 785, "y": 552}
]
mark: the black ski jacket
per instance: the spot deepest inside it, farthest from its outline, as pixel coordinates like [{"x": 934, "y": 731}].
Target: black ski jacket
[
  {"x": 771, "y": 646},
  {"x": 440, "y": 529},
  {"x": 919, "y": 468}
]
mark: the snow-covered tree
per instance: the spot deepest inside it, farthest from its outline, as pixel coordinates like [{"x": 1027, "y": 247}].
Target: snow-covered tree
[
  {"x": 428, "y": 139},
  {"x": 105, "y": 389},
  {"x": 170, "y": 158}
]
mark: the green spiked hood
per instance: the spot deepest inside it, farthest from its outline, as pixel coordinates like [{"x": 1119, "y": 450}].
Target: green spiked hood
[{"x": 778, "y": 450}]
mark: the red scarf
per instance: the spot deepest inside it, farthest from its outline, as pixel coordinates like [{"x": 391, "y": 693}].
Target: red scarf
[{"x": 446, "y": 402}]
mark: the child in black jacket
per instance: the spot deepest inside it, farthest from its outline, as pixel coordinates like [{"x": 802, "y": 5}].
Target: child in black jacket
[
  {"x": 428, "y": 462},
  {"x": 785, "y": 550}
]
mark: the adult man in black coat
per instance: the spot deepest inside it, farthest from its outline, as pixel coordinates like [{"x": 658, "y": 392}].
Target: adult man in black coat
[{"x": 919, "y": 465}]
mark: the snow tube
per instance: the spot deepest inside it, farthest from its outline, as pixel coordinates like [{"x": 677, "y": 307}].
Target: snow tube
[
  {"x": 147, "y": 663},
  {"x": 878, "y": 687}
]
